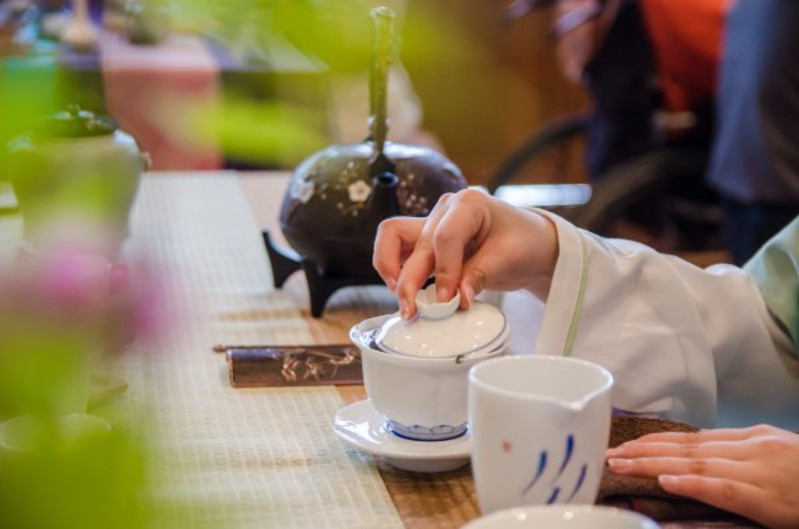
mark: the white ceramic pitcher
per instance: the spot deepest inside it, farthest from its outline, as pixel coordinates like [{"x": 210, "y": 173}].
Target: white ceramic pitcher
[{"x": 539, "y": 427}]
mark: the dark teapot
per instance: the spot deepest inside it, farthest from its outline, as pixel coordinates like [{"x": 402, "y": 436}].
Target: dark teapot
[
  {"x": 334, "y": 204},
  {"x": 338, "y": 196}
]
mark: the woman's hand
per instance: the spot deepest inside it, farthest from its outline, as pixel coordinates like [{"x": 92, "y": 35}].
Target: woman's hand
[
  {"x": 752, "y": 472},
  {"x": 470, "y": 241}
]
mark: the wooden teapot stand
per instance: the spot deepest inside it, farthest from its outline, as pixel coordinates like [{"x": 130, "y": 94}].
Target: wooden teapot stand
[{"x": 321, "y": 286}]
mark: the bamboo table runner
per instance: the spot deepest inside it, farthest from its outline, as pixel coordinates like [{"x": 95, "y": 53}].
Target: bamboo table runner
[{"x": 239, "y": 458}]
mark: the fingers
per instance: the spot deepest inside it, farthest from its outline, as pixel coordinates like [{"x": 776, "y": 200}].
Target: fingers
[
  {"x": 440, "y": 247},
  {"x": 749, "y": 471},
  {"x": 421, "y": 262},
  {"x": 656, "y": 466},
  {"x": 721, "y": 434},
  {"x": 708, "y": 452},
  {"x": 730, "y": 495},
  {"x": 458, "y": 228},
  {"x": 408, "y": 251},
  {"x": 395, "y": 239},
  {"x": 472, "y": 283},
  {"x": 728, "y": 449}
]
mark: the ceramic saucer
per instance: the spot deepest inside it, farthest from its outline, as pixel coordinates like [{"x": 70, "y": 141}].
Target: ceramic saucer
[{"x": 363, "y": 426}]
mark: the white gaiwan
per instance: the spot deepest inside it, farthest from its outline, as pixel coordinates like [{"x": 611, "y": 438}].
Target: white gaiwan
[{"x": 416, "y": 372}]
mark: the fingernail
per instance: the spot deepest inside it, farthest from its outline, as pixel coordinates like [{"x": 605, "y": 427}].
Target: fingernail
[
  {"x": 468, "y": 291},
  {"x": 667, "y": 479},
  {"x": 441, "y": 295},
  {"x": 404, "y": 310},
  {"x": 612, "y": 452},
  {"x": 391, "y": 283},
  {"x": 619, "y": 464}
]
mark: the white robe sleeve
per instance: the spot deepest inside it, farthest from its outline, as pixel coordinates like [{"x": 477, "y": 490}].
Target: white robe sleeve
[{"x": 682, "y": 342}]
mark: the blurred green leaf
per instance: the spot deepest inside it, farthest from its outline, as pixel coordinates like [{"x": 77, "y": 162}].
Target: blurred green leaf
[
  {"x": 43, "y": 369},
  {"x": 277, "y": 132},
  {"x": 28, "y": 90},
  {"x": 96, "y": 482}
]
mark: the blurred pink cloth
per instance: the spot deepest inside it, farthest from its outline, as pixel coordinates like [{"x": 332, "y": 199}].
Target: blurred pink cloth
[{"x": 155, "y": 93}]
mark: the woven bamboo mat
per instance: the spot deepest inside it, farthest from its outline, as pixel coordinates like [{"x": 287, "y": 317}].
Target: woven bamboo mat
[{"x": 240, "y": 458}]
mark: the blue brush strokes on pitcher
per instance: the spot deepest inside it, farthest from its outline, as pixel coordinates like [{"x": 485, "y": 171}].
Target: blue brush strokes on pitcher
[{"x": 556, "y": 489}]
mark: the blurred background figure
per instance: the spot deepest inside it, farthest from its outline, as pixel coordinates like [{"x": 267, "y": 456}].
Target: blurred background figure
[
  {"x": 650, "y": 67},
  {"x": 650, "y": 70},
  {"x": 755, "y": 164},
  {"x": 701, "y": 96}
]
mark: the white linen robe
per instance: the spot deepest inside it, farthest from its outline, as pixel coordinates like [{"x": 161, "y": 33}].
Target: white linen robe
[{"x": 683, "y": 343}]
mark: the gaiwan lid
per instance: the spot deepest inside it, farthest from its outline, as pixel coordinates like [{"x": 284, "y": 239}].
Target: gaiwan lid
[{"x": 442, "y": 330}]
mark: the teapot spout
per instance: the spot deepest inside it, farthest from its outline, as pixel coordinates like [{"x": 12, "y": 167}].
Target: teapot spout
[{"x": 383, "y": 203}]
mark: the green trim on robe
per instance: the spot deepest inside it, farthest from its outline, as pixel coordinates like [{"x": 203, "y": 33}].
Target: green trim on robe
[{"x": 775, "y": 270}]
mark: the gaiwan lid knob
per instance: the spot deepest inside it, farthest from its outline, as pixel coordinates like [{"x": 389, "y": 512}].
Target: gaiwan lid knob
[{"x": 441, "y": 330}]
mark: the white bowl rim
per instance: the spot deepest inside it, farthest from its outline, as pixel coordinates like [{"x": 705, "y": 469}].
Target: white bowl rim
[{"x": 602, "y": 512}]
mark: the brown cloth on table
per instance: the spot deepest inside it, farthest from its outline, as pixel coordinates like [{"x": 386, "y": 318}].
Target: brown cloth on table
[{"x": 644, "y": 495}]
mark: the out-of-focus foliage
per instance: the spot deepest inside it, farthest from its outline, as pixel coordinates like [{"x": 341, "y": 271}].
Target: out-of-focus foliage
[
  {"x": 331, "y": 37},
  {"x": 28, "y": 90},
  {"x": 61, "y": 314},
  {"x": 62, "y": 310},
  {"x": 338, "y": 32},
  {"x": 86, "y": 478},
  {"x": 272, "y": 132},
  {"x": 278, "y": 117}
]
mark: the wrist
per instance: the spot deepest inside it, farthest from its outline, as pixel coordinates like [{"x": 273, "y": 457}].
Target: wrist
[{"x": 545, "y": 255}]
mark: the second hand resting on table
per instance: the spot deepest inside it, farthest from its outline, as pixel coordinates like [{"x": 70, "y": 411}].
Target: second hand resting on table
[
  {"x": 749, "y": 471},
  {"x": 471, "y": 242}
]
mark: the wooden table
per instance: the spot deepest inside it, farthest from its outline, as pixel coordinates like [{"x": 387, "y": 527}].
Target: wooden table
[
  {"x": 419, "y": 500},
  {"x": 422, "y": 500}
]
